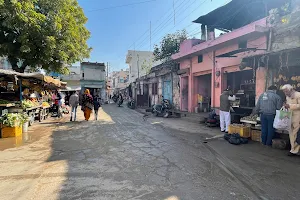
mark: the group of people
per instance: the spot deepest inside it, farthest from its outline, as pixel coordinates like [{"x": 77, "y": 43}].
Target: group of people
[
  {"x": 88, "y": 104},
  {"x": 266, "y": 107}
]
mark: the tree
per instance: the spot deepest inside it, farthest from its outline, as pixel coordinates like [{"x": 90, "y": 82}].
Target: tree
[
  {"x": 46, "y": 34},
  {"x": 147, "y": 65},
  {"x": 169, "y": 45}
]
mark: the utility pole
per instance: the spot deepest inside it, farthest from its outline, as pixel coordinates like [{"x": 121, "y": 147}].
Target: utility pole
[
  {"x": 107, "y": 89},
  {"x": 138, "y": 69}
]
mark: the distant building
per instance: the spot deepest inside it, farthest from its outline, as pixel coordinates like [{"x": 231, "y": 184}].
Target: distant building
[
  {"x": 73, "y": 78},
  {"x": 120, "y": 80},
  {"x": 93, "y": 78},
  {"x": 140, "y": 63}
]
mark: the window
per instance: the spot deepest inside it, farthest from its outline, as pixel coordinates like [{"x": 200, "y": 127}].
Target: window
[
  {"x": 243, "y": 45},
  {"x": 200, "y": 58},
  {"x": 154, "y": 89},
  {"x": 83, "y": 75},
  {"x": 121, "y": 80}
]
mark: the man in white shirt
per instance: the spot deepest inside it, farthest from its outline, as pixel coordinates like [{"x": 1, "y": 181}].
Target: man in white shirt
[{"x": 225, "y": 106}]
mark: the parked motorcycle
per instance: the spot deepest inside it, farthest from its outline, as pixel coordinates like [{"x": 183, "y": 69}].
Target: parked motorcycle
[
  {"x": 120, "y": 102},
  {"x": 163, "y": 109},
  {"x": 115, "y": 98},
  {"x": 131, "y": 104}
]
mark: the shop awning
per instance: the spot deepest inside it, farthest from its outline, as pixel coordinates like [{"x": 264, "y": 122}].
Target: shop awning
[
  {"x": 38, "y": 76},
  {"x": 238, "y": 13},
  {"x": 231, "y": 54},
  {"x": 183, "y": 71}
]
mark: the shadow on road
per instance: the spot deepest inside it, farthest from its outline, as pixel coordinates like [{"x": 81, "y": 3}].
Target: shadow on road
[{"x": 123, "y": 157}]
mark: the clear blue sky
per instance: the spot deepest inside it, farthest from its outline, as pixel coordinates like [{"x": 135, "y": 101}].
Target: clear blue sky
[{"x": 115, "y": 29}]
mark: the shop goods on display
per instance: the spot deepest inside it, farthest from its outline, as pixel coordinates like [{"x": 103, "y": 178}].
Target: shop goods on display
[{"x": 283, "y": 120}]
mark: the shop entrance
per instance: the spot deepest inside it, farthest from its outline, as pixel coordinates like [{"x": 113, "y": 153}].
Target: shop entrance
[
  {"x": 203, "y": 92},
  {"x": 242, "y": 84}
]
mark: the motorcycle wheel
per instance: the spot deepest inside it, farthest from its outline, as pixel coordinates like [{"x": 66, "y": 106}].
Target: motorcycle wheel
[{"x": 166, "y": 114}]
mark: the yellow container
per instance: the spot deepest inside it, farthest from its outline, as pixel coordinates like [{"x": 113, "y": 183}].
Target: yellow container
[
  {"x": 243, "y": 131},
  {"x": 11, "y": 131},
  {"x": 232, "y": 129}
]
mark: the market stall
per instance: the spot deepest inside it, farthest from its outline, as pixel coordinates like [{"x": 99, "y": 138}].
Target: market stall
[
  {"x": 242, "y": 84},
  {"x": 25, "y": 94}
]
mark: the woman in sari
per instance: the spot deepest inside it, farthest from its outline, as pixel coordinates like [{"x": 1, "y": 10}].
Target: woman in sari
[{"x": 87, "y": 104}]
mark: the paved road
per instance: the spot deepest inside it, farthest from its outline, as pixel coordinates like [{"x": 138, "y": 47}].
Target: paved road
[{"x": 121, "y": 156}]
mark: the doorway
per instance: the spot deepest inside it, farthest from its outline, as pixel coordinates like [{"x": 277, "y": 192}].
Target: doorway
[
  {"x": 184, "y": 93},
  {"x": 167, "y": 90}
]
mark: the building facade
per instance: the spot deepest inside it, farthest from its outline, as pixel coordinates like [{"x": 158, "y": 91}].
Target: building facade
[
  {"x": 93, "y": 77},
  {"x": 139, "y": 62},
  {"x": 212, "y": 64},
  {"x": 73, "y": 78},
  {"x": 162, "y": 82}
]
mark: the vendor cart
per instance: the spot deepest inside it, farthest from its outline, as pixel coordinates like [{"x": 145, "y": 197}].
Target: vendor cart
[
  {"x": 4, "y": 107},
  {"x": 44, "y": 113},
  {"x": 33, "y": 113}
]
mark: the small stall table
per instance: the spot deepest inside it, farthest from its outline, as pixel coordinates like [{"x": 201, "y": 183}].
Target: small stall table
[
  {"x": 33, "y": 112},
  {"x": 3, "y": 107},
  {"x": 44, "y": 113}
]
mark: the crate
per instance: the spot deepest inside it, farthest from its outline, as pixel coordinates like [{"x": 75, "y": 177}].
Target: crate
[
  {"x": 281, "y": 144},
  {"x": 256, "y": 135},
  {"x": 243, "y": 131},
  {"x": 232, "y": 129},
  {"x": 11, "y": 131}
]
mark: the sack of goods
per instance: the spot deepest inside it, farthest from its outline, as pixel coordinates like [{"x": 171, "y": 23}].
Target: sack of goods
[
  {"x": 235, "y": 139},
  {"x": 283, "y": 120}
]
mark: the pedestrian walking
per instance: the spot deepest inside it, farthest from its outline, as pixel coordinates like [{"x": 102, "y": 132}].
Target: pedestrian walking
[
  {"x": 293, "y": 104},
  {"x": 59, "y": 103},
  {"x": 266, "y": 106},
  {"x": 225, "y": 107},
  {"x": 74, "y": 102},
  {"x": 87, "y": 104},
  {"x": 97, "y": 105}
]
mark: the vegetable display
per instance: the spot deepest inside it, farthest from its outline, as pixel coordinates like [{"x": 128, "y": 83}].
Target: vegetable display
[
  {"x": 29, "y": 104},
  {"x": 11, "y": 119},
  {"x": 45, "y": 104},
  {"x": 2, "y": 101},
  {"x": 250, "y": 118}
]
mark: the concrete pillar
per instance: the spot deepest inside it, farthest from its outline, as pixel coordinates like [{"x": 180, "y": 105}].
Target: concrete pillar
[
  {"x": 260, "y": 81},
  {"x": 191, "y": 88},
  {"x": 210, "y": 33},
  {"x": 203, "y": 32}
]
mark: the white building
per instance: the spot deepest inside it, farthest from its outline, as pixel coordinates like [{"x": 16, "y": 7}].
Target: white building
[
  {"x": 140, "y": 63},
  {"x": 93, "y": 77},
  {"x": 4, "y": 64},
  {"x": 73, "y": 78}
]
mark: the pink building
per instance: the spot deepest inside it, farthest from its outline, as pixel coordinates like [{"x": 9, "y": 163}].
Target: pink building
[{"x": 212, "y": 64}]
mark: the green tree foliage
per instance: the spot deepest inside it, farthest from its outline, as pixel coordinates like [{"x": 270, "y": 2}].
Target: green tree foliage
[
  {"x": 169, "y": 45},
  {"x": 47, "y": 34}
]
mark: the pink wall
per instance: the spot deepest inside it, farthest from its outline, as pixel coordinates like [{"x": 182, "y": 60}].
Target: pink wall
[
  {"x": 188, "y": 58},
  {"x": 203, "y": 66},
  {"x": 260, "y": 81},
  {"x": 249, "y": 31}
]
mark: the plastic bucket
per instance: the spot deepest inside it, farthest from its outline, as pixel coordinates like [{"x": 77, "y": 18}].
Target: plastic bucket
[{"x": 25, "y": 127}]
